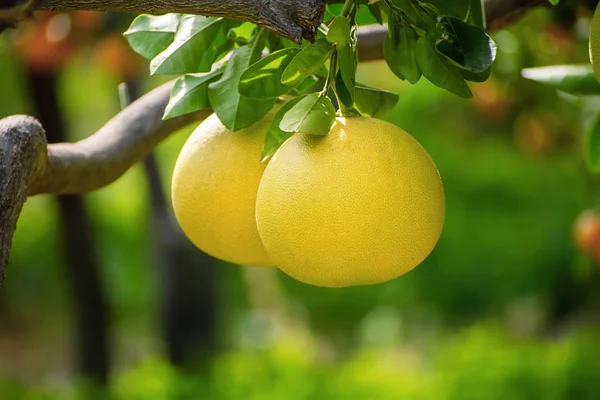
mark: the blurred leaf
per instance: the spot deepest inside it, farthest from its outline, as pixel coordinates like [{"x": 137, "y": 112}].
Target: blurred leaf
[
  {"x": 573, "y": 79},
  {"x": 308, "y": 62},
  {"x": 466, "y": 46},
  {"x": 476, "y": 76},
  {"x": 275, "y": 136},
  {"x": 456, "y": 8},
  {"x": 391, "y": 57},
  {"x": 592, "y": 146},
  {"x": 343, "y": 92},
  {"x": 198, "y": 43},
  {"x": 313, "y": 115},
  {"x": 150, "y": 35},
  {"x": 234, "y": 110},
  {"x": 379, "y": 12},
  {"x": 477, "y": 14},
  {"x": 439, "y": 71},
  {"x": 339, "y": 31},
  {"x": 190, "y": 93},
  {"x": 347, "y": 65},
  {"x": 262, "y": 80},
  {"x": 373, "y": 102},
  {"x": 400, "y": 51},
  {"x": 407, "y": 8}
]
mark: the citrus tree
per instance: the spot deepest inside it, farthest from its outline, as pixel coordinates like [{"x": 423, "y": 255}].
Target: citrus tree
[{"x": 284, "y": 72}]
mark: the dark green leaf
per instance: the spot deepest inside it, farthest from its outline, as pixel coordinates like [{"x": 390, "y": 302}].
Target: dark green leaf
[
  {"x": 372, "y": 102},
  {"x": 262, "y": 80},
  {"x": 407, "y": 43},
  {"x": 275, "y": 136},
  {"x": 592, "y": 146},
  {"x": 407, "y": 8},
  {"x": 234, "y": 110},
  {"x": 149, "y": 35},
  {"x": 455, "y": 8},
  {"x": 390, "y": 45},
  {"x": 476, "y": 76},
  {"x": 476, "y": 14},
  {"x": 339, "y": 31},
  {"x": 379, "y": 12},
  {"x": 198, "y": 43},
  {"x": 466, "y": 46},
  {"x": 190, "y": 93},
  {"x": 313, "y": 115},
  {"x": 343, "y": 92},
  {"x": 307, "y": 84},
  {"x": 309, "y": 61},
  {"x": 439, "y": 71},
  {"x": 574, "y": 79},
  {"x": 347, "y": 65}
]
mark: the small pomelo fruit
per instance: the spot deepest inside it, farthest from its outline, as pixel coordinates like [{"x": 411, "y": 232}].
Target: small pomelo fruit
[
  {"x": 361, "y": 205},
  {"x": 214, "y": 190}
]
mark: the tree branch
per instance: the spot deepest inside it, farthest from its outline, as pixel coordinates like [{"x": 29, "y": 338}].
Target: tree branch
[
  {"x": 289, "y": 18},
  {"x": 29, "y": 166}
]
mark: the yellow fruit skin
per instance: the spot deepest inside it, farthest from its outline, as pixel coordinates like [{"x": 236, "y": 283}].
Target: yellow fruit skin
[
  {"x": 214, "y": 187},
  {"x": 595, "y": 43},
  {"x": 361, "y": 205}
]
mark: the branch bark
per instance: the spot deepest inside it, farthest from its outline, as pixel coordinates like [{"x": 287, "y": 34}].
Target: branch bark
[
  {"x": 292, "y": 19},
  {"x": 29, "y": 166}
]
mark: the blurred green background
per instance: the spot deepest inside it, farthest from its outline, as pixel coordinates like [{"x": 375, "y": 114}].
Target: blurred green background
[{"x": 506, "y": 307}]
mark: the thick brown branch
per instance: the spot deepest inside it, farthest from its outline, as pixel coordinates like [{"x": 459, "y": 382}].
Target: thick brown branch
[
  {"x": 22, "y": 150},
  {"x": 103, "y": 157},
  {"x": 289, "y": 18},
  {"x": 28, "y": 166}
]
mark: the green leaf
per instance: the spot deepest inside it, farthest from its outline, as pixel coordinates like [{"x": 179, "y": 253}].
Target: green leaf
[
  {"x": 476, "y": 15},
  {"x": 592, "y": 146},
  {"x": 190, "y": 93},
  {"x": 347, "y": 65},
  {"x": 306, "y": 63},
  {"x": 313, "y": 115},
  {"x": 343, "y": 92},
  {"x": 197, "y": 44},
  {"x": 234, "y": 110},
  {"x": 455, "y": 8},
  {"x": 404, "y": 50},
  {"x": 379, "y": 12},
  {"x": 307, "y": 84},
  {"x": 262, "y": 80},
  {"x": 476, "y": 76},
  {"x": 372, "y": 102},
  {"x": 391, "y": 56},
  {"x": 149, "y": 35},
  {"x": 439, "y": 71},
  {"x": 339, "y": 31},
  {"x": 407, "y": 8},
  {"x": 466, "y": 46},
  {"x": 573, "y": 79},
  {"x": 275, "y": 136}
]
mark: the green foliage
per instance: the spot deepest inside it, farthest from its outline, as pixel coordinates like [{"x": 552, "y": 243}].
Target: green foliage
[
  {"x": 235, "y": 111},
  {"x": 313, "y": 114},
  {"x": 480, "y": 362},
  {"x": 424, "y": 39}
]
